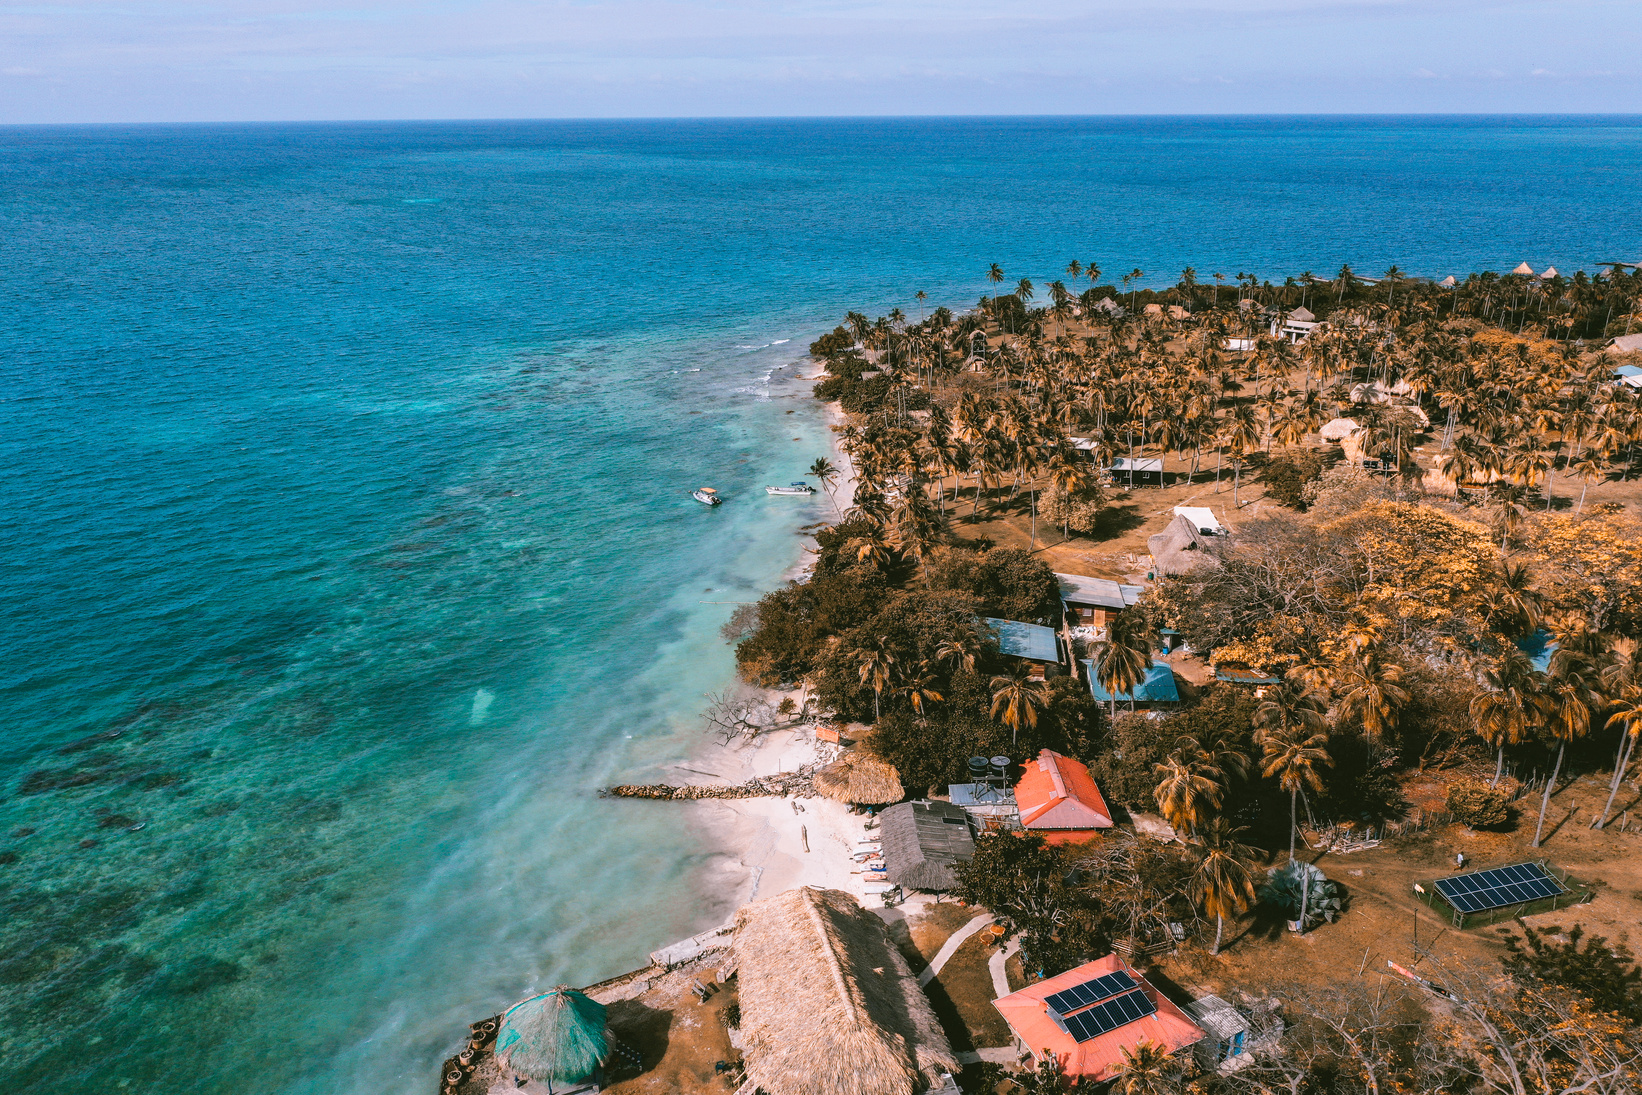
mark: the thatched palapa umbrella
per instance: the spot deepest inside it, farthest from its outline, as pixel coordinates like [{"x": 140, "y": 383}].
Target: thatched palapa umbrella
[
  {"x": 860, "y": 779},
  {"x": 554, "y": 1037},
  {"x": 828, "y": 1005}
]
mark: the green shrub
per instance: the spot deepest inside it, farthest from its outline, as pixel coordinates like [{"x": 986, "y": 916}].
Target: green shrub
[
  {"x": 1007, "y": 583},
  {"x": 1124, "y": 772},
  {"x": 834, "y": 341},
  {"x": 1078, "y": 512},
  {"x": 1286, "y": 477},
  {"x": 1478, "y": 805}
]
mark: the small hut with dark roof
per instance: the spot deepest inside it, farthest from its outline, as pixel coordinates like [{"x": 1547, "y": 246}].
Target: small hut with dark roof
[
  {"x": 828, "y": 1005},
  {"x": 923, "y": 841},
  {"x": 860, "y": 780}
]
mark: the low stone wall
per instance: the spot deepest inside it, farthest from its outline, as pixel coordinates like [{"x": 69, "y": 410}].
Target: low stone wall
[{"x": 795, "y": 785}]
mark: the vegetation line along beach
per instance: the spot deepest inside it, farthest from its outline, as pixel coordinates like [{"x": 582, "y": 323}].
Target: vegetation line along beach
[{"x": 1212, "y": 688}]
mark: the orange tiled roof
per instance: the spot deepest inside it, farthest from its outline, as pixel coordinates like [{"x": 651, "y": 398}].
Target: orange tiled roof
[
  {"x": 1101, "y": 1057},
  {"x": 1057, "y": 793}
]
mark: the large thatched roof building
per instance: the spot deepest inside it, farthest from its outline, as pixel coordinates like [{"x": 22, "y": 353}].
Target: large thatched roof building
[
  {"x": 923, "y": 841},
  {"x": 828, "y": 1005},
  {"x": 1181, "y": 547},
  {"x": 859, "y": 779}
]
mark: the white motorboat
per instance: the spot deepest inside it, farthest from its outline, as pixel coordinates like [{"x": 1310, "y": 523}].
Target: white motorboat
[
  {"x": 706, "y": 495},
  {"x": 796, "y": 488}
]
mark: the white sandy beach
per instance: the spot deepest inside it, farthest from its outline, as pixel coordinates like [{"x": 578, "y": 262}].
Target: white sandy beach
[
  {"x": 774, "y": 844},
  {"x": 769, "y": 845}
]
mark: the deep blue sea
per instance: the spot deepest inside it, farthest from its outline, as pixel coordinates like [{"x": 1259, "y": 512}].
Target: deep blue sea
[{"x": 344, "y": 527}]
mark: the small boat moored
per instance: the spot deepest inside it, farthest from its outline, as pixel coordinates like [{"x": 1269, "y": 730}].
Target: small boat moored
[
  {"x": 800, "y": 487},
  {"x": 706, "y": 495}
]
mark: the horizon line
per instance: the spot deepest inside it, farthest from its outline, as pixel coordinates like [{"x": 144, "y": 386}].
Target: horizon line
[{"x": 1217, "y": 115}]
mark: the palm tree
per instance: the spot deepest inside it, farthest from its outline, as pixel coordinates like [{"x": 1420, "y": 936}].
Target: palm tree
[
  {"x": 824, "y": 471},
  {"x": 961, "y": 649},
  {"x": 1511, "y": 697},
  {"x": 1124, "y": 656},
  {"x": 875, "y": 664},
  {"x": 1290, "y": 708},
  {"x": 1511, "y": 510},
  {"x": 1183, "y": 792},
  {"x": 920, "y": 296},
  {"x": 1516, "y": 598},
  {"x": 1626, "y": 711},
  {"x": 1148, "y": 1069},
  {"x": 1571, "y": 700},
  {"x": 919, "y": 689},
  {"x": 1222, "y": 884},
  {"x": 1071, "y": 477},
  {"x": 1242, "y": 435},
  {"x": 1292, "y": 756},
  {"x": 1015, "y": 702},
  {"x": 870, "y": 547},
  {"x": 1367, "y": 689},
  {"x": 1588, "y": 468},
  {"x": 994, "y": 274}
]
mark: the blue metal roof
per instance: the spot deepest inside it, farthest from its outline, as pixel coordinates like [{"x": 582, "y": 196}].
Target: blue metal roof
[
  {"x": 1158, "y": 687},
  {"x": 1033, "y": 641},
  {"x": 1539, "y": 647},
  {"x": 1627, "y": 370}
]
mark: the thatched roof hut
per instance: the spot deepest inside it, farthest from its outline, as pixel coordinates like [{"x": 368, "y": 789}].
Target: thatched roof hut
[
  {"x": 1181, "y": 547},
  {"x": 828, "y": 1005},
  {"x": 1338, "y": 429},
  {"x": 858, "y": 778},
  {"x": 554, "y": 1037},
  {"x": 923, "y": 841}
]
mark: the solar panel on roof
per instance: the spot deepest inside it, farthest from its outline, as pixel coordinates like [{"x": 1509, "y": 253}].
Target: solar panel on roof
[
  {"x": 1110, "y": 1015},
  {"x": 1080, "y": 996},
  {"x": 1498, "y": 888}
]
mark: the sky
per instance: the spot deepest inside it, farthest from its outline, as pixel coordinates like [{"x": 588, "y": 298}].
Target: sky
[{"x": 255, "y": 60}]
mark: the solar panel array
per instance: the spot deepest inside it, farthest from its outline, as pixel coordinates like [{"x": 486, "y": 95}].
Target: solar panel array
[
  {"x": 1498, "y": 888},
  {"x": 1110, "y": 1015},
  {"x": 1081, "y": 996}
]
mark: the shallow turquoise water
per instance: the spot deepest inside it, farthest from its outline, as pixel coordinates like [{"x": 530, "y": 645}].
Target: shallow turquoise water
[{"x": 345, "y": 534}]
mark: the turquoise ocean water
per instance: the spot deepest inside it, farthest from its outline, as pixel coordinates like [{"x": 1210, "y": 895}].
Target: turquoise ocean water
[{"x": 345, "y": 540}]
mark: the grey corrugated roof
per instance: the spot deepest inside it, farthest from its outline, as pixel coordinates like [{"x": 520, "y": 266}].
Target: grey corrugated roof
[
  {"x": 1083, "y": 590},
  {"x": 1021, "y": 640},
  {"x": 1216, "y": 1016},
  {"x": 922, "y": 841}
]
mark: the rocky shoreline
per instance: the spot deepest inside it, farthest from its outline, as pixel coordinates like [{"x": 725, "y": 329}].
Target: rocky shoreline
[{"x": 799, "y": 784}]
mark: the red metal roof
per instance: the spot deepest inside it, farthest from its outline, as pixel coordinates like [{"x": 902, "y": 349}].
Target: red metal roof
[
  {"x": 1101, "y": 1057},
  {"x": 1057, "y": 793}
]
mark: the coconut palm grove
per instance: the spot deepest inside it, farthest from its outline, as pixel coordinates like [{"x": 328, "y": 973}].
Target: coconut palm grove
[{"x": 1420, "y": 618}]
